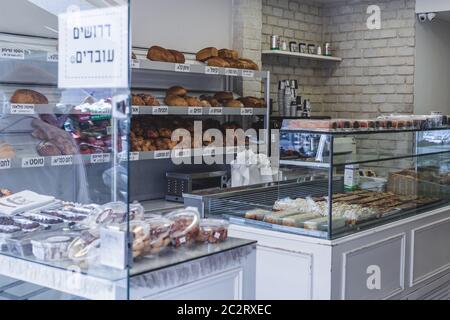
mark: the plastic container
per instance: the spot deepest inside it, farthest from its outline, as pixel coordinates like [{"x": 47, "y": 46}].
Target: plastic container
[
  {"x": 20, "y": 245},
  {"x": 52, "y": 246},
  {"x": 160, "y": 228},
  {"x": 185, "y": 226},
  {"x": 84, "y": 249},
  {"x": 116, "y": 213},
  {"x": 213, "y": 231}
]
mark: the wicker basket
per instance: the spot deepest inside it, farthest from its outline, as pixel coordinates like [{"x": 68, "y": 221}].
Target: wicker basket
[{"x": 404, "y": 183}]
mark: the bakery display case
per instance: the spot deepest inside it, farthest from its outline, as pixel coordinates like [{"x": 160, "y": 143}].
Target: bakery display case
[
  {"x": 353, "y": 175},
  {"x": 73, "y": 153}
]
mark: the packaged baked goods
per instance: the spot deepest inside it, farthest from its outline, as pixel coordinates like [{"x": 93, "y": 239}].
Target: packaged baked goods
[
  {"x": 206, "y": 54},
  {"x": 25, "y": 224},
  {"x": 19, "y": 244},
  {"x": 114, "y": 213},
  {"x": 26, "y": 96},
  {"x": 42, "y": 218},
  {"x": 53, "y": 246},
  {"x": 85, "y": 248},
  {"x": 140, "y": 232},
  {"x": 213, "y": 231},
  {"x": 160, "y": 229},
  {"x": 185, "y": 226}
]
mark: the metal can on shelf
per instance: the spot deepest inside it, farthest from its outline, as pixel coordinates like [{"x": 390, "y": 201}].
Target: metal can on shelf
[
  {"x": 311, "y": 49},
  {"x": 293, "y": 47},
  {"x": 328, "y": 49},
  {"x": 302, "y": 48},
  {"x": 275, "y": 42}
]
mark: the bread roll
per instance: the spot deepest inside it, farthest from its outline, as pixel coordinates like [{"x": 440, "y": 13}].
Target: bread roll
[
  {"x": 193, "y": 101},
  {"x": 137, "y": 100},
  {"x": 165, "y": 133},
  {"x": 205, "y": 103},
  {"x": 150, "y": 100},
  {"x": 175, "y": 101},
  {"x": 27, "y": 96},
  {"x": 228, "y": 54},
  {"x": 218, "y": 62},
  {"x": 233, "y": 104},
  {"x": 156, "y": 53},
  {"x": 206, "y": 54},
  {"x": 179, "y": 57},
  {"x": 212, "y": 101},
  {"x": 176, "y": 91},
  {"x": 222, "y": 96}
]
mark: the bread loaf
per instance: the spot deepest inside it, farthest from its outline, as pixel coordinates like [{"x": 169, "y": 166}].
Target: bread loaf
[
  {"x": 218, "y": 62},
  {"x": 27, "y": 96},
  {"x": 157, "y": 53},
  {"x": 228, "y": 54},
  {"x": 206, "y": 54},
  {"x": 234, "y": 63},
  {"x": 252, "y": 102},
  {"x": 179, "y": 57},
  {"x": 175, "y": 101},
  {"x": 223, "y": 96},
  {"x": 176, "y": 91},
  {"x": 233, "y": 104},
  {"x": 248, "y": 64}
]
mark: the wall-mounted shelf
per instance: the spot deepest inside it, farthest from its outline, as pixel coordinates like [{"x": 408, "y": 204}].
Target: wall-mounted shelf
[
  {"x": 300, "y": 55},
  {"x": 197, "y": 111}
]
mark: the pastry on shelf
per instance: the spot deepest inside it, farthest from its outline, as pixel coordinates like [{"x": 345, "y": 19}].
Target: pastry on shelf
[
  {"x": 27, "y": 96},
  {"x": 193, "y": 101},
  {"x": 233, "y": 104},
  {"x": 175, "y": 101},
  {"x": 218, "y": 62},
  {"x": 6, "y": 151},
  {"x": 228, "y": 54},
  {"x": 252, "y": 102},
  {"x": 136, "y": 100},
  {"x": 179, "y": 57},
  {"x": 185, "y": 228},
  {"x": 224, "y": 96},
  {"x": 149, "y": 100},
  {"x": 157, "y": 53}
]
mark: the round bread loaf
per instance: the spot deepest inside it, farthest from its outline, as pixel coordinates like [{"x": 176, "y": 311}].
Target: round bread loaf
[
  {"x": 252, "y": 102},
  {"x": 175, "y": 101},
  {"x": 248, "y": 64},
  {"x": 233, "y": 104},
  {"x": 27, "y": 96},
  {"x": 224, "y": 95},
  {"x": 228, "y": 54},
  {"x": 176, "y": 91}
]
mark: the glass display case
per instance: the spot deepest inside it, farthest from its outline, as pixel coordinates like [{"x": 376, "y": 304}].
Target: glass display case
[{"x": 350, "y": 176}]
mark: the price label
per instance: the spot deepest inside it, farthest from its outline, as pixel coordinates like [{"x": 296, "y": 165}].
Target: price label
[
  {"x": 217, "y": 235},
  {"x": 181, "y": 153},
  {"x": 134, "y": 110},
  {"x": 52, "y": 57},
  {"x": 162, "y": 154},
  {"x": 212, "y": 70},
  {"x": 215, "y": 111},
  {"x": 134, "y": 156},
  {"x": 12, "y": 53},
  {"x": 5, "y": 164},
  {"x": 100, "y": 158},
  {"x": 246, "y": 111},
  {"x": 135, "y": 64},
  {"x": 35, "y": 162},
  {"x": 62, "y": 161},
  {"x": 248, "y": 73},
  {"x": 182, "y": 67},
  {"x": 195, "y": 111},
  {"x": 22, "y": 109},
  {"x": 160, "y": 110},
  {"x": 93, "y": 48},
  {"x": 232, "y": 72}
]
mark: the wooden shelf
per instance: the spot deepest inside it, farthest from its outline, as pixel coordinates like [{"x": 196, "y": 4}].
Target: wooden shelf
[{"x": 300, "y": 55}]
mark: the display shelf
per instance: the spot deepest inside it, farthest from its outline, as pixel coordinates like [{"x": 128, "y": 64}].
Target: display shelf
[
  {"x": 196, "y": 68},
  {"x": 300, "y": 55},
  {"x": 104, "y": 283},
  {"x": 197, "y": 111},
  {"x": 53, "y": 108},
  {"x": 181, "y": 153},
  {"x": 348, "y": 132}
]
